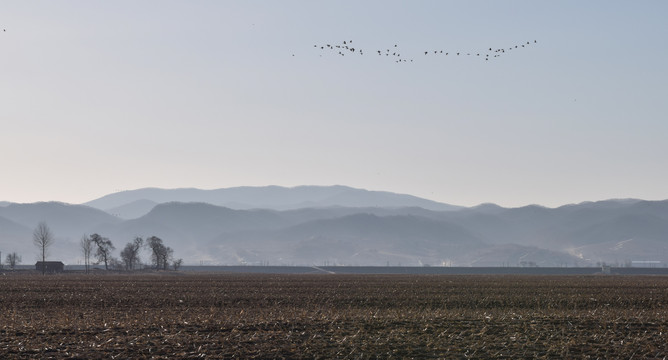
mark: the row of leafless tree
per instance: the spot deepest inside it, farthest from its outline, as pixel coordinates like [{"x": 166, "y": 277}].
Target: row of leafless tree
[
  {"x": 101, "y": 248},
  {"x": 161, "y": 255},
  {"x": 42, "y": 237}
]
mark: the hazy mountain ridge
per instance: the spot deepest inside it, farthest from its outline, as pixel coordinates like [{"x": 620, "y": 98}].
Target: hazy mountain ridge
[
  {"x": 67, "y": 222},
  {"x": 132, "y": 210},
  {"x": 131, "y": 203},
  {"x": 14, "y": 237},
  {"x": 355, "y": 239},
  {"x": 613, "y": 231},
  {"x": 63, "y": 218}
]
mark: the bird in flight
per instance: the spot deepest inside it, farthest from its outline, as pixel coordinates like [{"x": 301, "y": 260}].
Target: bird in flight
[{"x": 496, "y": 52}]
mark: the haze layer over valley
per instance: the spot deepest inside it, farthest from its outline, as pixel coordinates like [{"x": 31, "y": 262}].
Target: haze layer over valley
[{"x": 338, "y": 225}]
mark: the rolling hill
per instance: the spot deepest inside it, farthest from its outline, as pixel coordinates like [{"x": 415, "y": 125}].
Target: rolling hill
[
  {"x": 611, "y": 231},
  {"x": 130, "y": 204}
]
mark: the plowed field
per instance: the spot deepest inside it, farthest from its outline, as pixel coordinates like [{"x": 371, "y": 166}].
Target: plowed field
[{"x": 332, "y": 316}]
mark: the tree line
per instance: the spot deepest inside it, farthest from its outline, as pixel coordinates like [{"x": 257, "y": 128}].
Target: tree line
[
  {"x": 97, "y": 249},
  {"x": 100, "y": 247}
]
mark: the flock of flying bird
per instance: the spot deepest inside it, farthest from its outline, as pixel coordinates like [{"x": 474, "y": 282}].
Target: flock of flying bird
[{"x": 347, "y": 48}]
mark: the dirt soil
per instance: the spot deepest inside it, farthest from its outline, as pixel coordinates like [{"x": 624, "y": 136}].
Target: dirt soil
[{"x": 218, "y": 316}]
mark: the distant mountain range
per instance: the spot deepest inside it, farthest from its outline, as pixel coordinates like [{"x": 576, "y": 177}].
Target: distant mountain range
[
  {"x": 340, "y": 225},
  {"x": 134, "y": 203}
]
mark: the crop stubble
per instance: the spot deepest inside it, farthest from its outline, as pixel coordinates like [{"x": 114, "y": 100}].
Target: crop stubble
[{"x": 333, "y": 316}]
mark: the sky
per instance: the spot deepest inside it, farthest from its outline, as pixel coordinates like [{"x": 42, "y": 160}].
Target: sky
[{"x": 103, "y": 96}]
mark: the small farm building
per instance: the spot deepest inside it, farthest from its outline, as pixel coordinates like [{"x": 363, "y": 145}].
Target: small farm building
[{"x": 50, "y": 266}]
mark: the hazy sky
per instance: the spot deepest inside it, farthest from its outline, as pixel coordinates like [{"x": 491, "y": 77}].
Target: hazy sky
[{"x": 102, "y": 96}]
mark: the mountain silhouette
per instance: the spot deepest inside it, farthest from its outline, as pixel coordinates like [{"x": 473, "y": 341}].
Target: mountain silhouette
[
  {"x": 375, "y": 231},
  {"x": 266, "y": 197}
]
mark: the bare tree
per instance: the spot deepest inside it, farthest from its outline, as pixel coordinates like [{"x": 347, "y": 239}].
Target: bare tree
[
  {"x": 86, "y": 250},
  {"x": 156, "y": 245},
  {"x": 177, "y": 264},
  {"x": 104, "y": 249},
  {"x": 166, "y": 255},
  {"x": 13, "y": 259},
  {"x": 130, "y": 254},
  {"x": 43, "y": 239},
  {"x": 160, "y": 254},
  {"x": 127, "y": 256}
]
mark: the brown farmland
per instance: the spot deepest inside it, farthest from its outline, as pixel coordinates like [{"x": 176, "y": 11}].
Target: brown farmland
[{"x": 333, "y": 316}]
